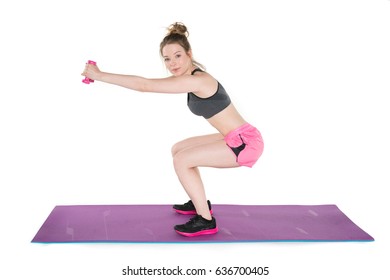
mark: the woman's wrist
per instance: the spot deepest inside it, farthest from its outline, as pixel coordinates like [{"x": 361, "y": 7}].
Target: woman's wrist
[{"x": 103, "y": 77}]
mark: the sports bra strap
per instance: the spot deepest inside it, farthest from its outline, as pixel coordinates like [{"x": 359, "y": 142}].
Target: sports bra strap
[{"x": 196, "y": 70}]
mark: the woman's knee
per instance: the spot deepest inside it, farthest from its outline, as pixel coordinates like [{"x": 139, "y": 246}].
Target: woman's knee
[
  {"x": 182, "y": 160},
  {"x": 180, "y": 146},
  {"x": 176, "y": 148},
  {"x": 178, "y": 162}
]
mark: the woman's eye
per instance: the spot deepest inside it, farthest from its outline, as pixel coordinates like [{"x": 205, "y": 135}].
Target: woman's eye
[
  {"x": 166, "y": 59},
  {"x": 178, "y": 56}
]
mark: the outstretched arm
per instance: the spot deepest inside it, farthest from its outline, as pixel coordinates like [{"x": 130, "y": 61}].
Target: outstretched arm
[{"x": 182, "y": 84}]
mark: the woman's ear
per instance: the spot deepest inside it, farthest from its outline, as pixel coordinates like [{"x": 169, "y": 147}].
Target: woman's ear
[{"x": 190, "y": 54}]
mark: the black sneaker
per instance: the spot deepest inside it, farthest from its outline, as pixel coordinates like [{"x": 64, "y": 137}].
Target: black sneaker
[
  {"x": 188, "y": 208},
  {"x": 197, "y": 226}
]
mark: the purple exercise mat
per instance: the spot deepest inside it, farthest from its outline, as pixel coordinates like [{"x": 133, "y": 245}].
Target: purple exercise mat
[{"x": 237, "y": 223}]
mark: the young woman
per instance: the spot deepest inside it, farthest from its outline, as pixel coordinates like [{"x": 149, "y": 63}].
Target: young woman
[{"x": 235, "y": 143}]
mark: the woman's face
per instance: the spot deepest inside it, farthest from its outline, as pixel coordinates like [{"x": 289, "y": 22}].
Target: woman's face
[{"x": 177, "y": 61}]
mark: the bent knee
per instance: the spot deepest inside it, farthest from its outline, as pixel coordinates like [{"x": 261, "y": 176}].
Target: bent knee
[
  {"x": 175, "y": 149},
  {"x": 178, "y": 162},
  {"x": 179, "y": 146},
  {"x": 182, "y": 160}
]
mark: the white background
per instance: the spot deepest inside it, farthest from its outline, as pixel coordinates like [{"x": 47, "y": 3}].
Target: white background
[{"x": 312, "y": 75}]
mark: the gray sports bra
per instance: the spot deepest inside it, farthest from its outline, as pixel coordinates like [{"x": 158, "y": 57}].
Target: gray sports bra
[{"x": 210, "y": 106}]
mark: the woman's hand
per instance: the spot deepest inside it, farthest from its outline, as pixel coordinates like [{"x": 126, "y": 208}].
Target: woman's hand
[{"x": 91, "y": 71}]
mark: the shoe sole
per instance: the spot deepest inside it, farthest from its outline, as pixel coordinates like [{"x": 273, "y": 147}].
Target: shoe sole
[
  {"x": 192, "y": 212},
  {"x": 202, "y": 232}
]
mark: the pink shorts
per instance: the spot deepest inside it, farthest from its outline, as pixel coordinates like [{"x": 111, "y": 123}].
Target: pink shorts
[{"x": 246, "y": 143}]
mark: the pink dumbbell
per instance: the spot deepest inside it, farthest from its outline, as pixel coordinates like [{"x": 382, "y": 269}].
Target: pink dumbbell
[{"x": 88, "y": 80}]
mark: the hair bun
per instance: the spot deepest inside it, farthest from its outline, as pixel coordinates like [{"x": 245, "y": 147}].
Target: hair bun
[{"x": 178, "y": 28}]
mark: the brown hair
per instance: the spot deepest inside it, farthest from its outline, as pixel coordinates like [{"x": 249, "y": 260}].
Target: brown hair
[{"x": 177, "y": 34}]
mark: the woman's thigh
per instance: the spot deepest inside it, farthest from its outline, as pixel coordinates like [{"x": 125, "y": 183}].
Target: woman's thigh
[
  {"x": 195, "y": 141},
  {"x": 210, "y": 154}
]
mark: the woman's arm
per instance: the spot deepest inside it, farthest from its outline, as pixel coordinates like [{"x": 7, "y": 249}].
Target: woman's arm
[
  {"x": 182, "y": 84},
  {"x": 165, "y": 85}
]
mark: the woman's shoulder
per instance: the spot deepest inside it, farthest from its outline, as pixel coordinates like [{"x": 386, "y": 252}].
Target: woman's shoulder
[{"x": 208, "y": 85}]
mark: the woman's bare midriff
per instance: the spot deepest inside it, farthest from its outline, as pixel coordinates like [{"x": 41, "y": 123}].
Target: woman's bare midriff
[{"x": 227, "y": 120}]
